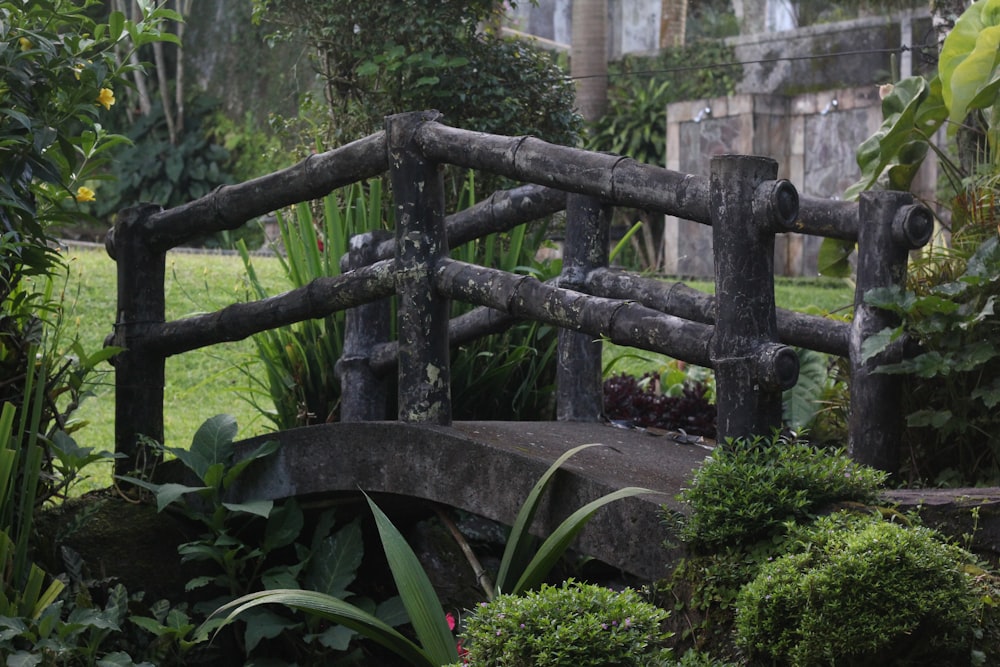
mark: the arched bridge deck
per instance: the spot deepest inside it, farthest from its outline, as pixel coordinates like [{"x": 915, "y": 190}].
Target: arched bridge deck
[{"x": 489, "y": 468}]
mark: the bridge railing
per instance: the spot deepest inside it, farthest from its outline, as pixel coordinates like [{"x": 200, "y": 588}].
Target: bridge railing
[{"x": 739, "y": 332}]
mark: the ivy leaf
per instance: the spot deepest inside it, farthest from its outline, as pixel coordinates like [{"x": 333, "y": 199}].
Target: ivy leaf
[{"x": 878, "y": 342}]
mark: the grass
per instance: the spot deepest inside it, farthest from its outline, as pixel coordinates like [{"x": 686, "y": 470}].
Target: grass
[
  {"x": 199, "y": 384},
  {"x": 211, "y": 381}
]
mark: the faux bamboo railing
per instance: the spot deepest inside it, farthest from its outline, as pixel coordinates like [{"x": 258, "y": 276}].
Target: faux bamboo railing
[{"x": 739, "y": 333}]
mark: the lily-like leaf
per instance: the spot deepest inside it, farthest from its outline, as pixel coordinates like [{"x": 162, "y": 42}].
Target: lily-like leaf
[
  {"x": 518, "y": 552},
  {"x": 334, "y": 610},
  {"x": 556, "y": 544},
  {"x": 421, "y": 602}
]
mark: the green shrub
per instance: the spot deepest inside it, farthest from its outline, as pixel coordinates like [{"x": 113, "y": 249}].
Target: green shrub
[
  {"x": 954, "y": 433},
  {"x": 573, "y": 624},
  {"x": 151, "y": 168},
  {"x": 748, "y": 489},
  {"x": 881, "y": 594}
]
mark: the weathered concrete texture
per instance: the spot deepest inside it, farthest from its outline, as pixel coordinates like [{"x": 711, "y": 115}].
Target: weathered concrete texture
[
  {"x": 489, "y": 468},
  {"x": 958, "y": 513}
]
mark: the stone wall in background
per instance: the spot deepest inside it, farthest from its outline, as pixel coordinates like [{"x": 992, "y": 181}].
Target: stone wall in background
[{"x": 813, "y": 137}]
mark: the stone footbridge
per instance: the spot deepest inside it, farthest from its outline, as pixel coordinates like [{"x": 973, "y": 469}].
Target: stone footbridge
[{"x": 488, "y": 468}]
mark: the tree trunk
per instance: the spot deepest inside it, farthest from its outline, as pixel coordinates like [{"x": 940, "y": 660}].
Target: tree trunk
[
  {"x": 673, "y": 23},
  {"x": 944, "y": 13},
  {"x": 589, "y": 62}
]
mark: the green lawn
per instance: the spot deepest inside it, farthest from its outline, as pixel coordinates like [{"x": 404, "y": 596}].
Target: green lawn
[
  {"x": 214, "y": 380},
  {"x": 199, "y": 384}
]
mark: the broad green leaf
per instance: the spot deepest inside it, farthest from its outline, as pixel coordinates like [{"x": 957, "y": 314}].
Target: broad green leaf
[
  {"x": 261, "y": 508},
  {"x": 421, "y": 602},
  {"x": 337, "y": 611},
  {"x": 801, "y": 403},
  {"x": 283, "y": 525},
  {"x": 974, "y": 356},
  {"x": 367, "y": 69},
  {"x": 989, "y": 395},
  {"x": 556, "y": 544},
  {"x": 334, "y": 565},
  {"x": 912, "y": 112},
  {"x": 116, "y": 25},
  {"x": 877, "y": 342},
  {"x": 933, "y": 418},
  {"x": 264, "y": 450},
  {"x": 165, "y": 493},
  {"x": 930, "y": 364},
  {"x": 518, "y": 552},
  {"x": 263, "y": 623},
  {"x": 212, "y": 443},
  {"x": 968, "y": 59},
  {"x": 392, "y": 611},
  {"x": 832, "y": 260}
]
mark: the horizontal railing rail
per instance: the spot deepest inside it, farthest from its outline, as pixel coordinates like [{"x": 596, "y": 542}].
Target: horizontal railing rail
[{"x": 738, "y": 332}]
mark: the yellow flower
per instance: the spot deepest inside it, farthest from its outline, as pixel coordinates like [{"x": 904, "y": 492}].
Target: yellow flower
[
  {"x": 84, "y": 194},
  {"x": 25, "y": 43},
  {"x": 106, "y": 98}
]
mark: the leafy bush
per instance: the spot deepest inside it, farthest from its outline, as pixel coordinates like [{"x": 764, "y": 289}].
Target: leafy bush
[
  {"x": 572, "y": 624},
  {"x": 246, "y": 560},
  {"x": 522, "y": 567},
  {"x": 747, "y": 489},
  {"x": 883, "y": 594},
  {"x": 638, "y": 401},
  {"x": 382, "y": 58},
  {"x": 299, "y": 359},
  {"x": 642, "y": 86},
  {"x": 954, "y": 427},
  {"x": 152, "y": 169}
]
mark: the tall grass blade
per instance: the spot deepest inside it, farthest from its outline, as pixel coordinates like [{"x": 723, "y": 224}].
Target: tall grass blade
[
  {"x": 518, "y": 552},
  {"x": 556, "y": 544},
  {"x": 333, "y": 610},
  {"x": 419, "y": 598}
]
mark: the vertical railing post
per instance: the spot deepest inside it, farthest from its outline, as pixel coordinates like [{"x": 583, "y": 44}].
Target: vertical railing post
[
  {"x": 890, "y": 225},
  {"x": 747, "y": 207},
  {"x": 421, "y": 239},
  {"x": 139, "y": 374},
  {"x": 579, "y": 390},
  {"x": 363, "y": 395}
]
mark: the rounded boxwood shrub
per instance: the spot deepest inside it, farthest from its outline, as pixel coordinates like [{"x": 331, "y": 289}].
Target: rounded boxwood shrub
[
  {"x": 880, "y": 594},
  {"x": 748, "y": 489},
  {"x": 574, "y": 624}
]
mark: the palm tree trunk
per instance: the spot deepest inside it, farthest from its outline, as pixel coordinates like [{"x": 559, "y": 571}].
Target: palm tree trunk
[
  {"x": 589, "y": 57},
  {"x": 673, "y": 23}
]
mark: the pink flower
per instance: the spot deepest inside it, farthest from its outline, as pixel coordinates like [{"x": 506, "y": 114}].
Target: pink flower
[{"x": 451, "y": 621}]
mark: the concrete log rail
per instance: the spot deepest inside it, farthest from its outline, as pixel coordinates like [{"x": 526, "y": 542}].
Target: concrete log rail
[{"x": 739, "y": 332}]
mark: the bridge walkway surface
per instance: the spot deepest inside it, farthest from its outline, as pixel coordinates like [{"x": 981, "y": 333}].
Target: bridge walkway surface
[{"x": 489, "y": 468}]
